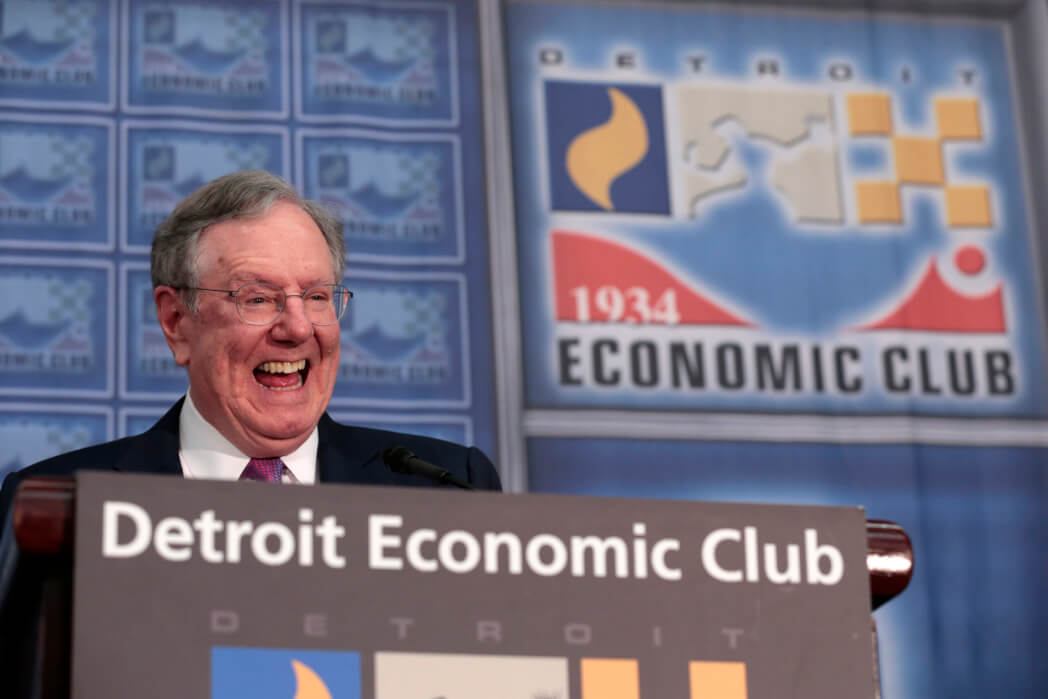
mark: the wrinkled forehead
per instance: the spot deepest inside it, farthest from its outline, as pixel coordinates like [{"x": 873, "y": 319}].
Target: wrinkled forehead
[{"x": 284, "y": 238}]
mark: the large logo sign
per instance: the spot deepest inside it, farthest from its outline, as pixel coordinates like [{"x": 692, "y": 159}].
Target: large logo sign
[
  {"x": 222, "y": 58},
  {"x": 380, "y": 63},
  {"x": 56, "y": 182},
  {"x": 800, "y": 230},
  {"x": 57, "y": 54},
  {"x": 399, "y": 197},
  {"x": 56, "y": 332},
  {"x": 166, "y": 161},
  {"x": 404, "y": 341}
]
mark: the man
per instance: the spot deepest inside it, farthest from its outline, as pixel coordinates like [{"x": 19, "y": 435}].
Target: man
[{"x": 247, "y": 283}]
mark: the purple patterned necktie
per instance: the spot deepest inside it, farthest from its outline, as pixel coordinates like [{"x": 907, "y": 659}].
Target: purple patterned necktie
[{"x": 269, "y": 470}]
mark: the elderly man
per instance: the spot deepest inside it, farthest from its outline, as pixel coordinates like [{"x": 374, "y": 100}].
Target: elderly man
[{"x": 247, "y": 283}]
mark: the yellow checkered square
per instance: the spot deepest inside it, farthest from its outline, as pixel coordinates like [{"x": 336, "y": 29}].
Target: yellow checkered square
[
  {"x": 869, "y": 114},
  {"x": 958, "y": 119},
  {"x": 879, "y": 202},
  {"x": 968, "y": 206},
  {"x": 918, "y": 160}
]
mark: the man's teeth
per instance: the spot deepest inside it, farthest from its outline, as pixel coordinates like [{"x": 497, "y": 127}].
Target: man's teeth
[{"x": 282, "y": 367}]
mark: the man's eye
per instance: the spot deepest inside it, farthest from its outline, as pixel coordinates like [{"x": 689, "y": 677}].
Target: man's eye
[{"x": 256, "y": 300}]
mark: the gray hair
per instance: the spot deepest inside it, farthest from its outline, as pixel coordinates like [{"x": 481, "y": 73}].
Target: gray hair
[{"x": 241, "y": 194}]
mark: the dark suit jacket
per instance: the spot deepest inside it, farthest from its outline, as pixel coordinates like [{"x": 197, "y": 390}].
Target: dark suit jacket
[{"x": 345, "y": 454}]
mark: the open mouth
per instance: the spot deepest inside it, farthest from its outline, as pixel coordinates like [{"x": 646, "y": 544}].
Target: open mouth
[{"x": 282, "y": 376}]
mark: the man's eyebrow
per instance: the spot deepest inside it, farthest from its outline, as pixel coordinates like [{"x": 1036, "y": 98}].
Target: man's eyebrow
[{"x": 316, "y": 281}]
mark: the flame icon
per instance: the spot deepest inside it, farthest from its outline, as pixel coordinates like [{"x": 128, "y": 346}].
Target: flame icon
[
  {"x": 598, "y": 156},
  {"x": 308, "y": 683}
]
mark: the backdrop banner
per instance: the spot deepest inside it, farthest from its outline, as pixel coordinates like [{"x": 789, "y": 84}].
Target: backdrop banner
[{"x": 787, "y": 255}]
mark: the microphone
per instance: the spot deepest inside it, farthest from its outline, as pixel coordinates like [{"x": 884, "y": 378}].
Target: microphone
[{"x": 403, "y": 460}]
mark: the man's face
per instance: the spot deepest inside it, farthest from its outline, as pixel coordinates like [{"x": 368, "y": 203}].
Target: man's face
[{"x": 256, "y": 406}]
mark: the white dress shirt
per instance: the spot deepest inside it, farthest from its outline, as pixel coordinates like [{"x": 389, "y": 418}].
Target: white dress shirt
[{"x": 205, "y": 453}]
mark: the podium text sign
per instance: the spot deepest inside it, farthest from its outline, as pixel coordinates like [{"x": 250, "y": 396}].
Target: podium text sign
[{"x": 217, "y": 589}]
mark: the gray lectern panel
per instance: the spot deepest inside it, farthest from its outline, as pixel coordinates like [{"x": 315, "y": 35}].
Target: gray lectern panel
[{"x": 216, "y": 589}]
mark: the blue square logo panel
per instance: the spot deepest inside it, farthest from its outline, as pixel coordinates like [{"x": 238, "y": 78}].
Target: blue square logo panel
[{"x": 284, "y": 673}]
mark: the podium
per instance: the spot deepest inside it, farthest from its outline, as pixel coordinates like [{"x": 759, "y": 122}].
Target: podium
[{"x": 191, "y": 588}]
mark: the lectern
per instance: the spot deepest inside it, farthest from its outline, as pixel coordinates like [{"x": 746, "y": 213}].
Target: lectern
[{"x": 186, "y": 588}]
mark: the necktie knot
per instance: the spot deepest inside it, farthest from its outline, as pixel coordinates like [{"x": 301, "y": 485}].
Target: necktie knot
[{"x": 269, "y": 470}]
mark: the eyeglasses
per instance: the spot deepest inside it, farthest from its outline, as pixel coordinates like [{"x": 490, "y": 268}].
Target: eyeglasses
[{"x": 259, "y": 303}]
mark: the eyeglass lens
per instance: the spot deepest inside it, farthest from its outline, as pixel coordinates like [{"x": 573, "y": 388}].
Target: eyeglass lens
[{"x": 260, "y": 304}]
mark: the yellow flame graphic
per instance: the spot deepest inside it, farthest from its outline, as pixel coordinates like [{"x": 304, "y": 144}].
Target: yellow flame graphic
[
  {"x": 598, "y": 156},
  {"x": 308, "y": 683}
]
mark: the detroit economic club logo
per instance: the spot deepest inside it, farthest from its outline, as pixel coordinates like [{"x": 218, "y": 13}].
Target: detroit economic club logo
[
  {"x": 327, "y": 674},
  {"x": 836, "y": 171}
]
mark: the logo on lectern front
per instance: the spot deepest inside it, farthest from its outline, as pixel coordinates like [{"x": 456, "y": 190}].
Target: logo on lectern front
[{"x": 286, "y": 673}]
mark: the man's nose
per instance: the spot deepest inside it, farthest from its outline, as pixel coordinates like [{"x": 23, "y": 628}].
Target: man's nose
[{"x": 292, "y": 324}]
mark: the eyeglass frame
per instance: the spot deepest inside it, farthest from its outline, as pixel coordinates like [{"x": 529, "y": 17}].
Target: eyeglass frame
[{"x": 233, "y": 293}]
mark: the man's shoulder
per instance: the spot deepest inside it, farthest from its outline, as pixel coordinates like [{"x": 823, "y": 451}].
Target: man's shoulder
[
  {"x": 373, "y": 437},
  {"x": 102, "y": 456},
  {"x": 136, "y": 452},
  {"x": 155, "y": 450},
  {"x": 466, "y": 463},
  {"x": 99, "y": 457}
]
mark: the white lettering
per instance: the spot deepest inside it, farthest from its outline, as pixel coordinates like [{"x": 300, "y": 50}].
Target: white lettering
[
  {"x": 413, "y": 550},
  {"x": 305, "y": 537},
  {"x": 235, "y": 531},
  {"x": 285, "y": 544},
  {"x": 709, "y": 555},
  {"x": 533, "y": 555},
  {"x": 751, "y": 549},
  {"x": 813, "y": 553},
  {"x": 658, "y": 559},
  {"x": 792, "y": 574},
  {"x": 173, "y": 538},
  {"x": 379, "y": 541},
  {"x": 600, "y": 548},
  {"x": 640, "y": 557},
  {"x": 511, "y": 542},
  {"x": 111, "y": 513},
  {"x": 446, "y": 551},
  {"x": 330, "y": 531},
  {"x": 208, "y": 527}
]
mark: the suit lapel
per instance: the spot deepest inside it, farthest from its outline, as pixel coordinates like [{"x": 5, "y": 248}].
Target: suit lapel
[{"x": 156, "y": 450}]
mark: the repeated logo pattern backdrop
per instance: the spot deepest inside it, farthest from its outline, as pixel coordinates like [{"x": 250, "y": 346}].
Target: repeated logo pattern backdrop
[{"x": 111, "y": 112}]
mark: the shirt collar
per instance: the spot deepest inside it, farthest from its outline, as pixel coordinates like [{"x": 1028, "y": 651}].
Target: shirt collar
[{"x": 205, "y": 453}]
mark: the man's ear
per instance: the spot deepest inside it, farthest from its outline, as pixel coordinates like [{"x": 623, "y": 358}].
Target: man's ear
[{"x": 174, "y": 319}]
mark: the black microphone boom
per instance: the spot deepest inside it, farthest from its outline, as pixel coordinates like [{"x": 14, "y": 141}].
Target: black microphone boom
[{"x": 403, "y": 460}]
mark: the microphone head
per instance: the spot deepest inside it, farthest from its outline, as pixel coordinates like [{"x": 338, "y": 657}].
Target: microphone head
[{"x": 396, "y": 459}]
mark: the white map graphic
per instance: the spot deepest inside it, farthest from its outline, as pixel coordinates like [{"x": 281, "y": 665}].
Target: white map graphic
[
  {"x": 465, "y": 676},
  {"x": 804, "y": 170}
]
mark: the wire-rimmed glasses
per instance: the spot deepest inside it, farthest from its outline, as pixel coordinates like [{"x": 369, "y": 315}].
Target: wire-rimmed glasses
[{"x": 259, "y": 303}]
